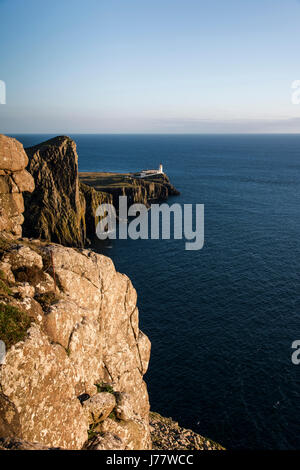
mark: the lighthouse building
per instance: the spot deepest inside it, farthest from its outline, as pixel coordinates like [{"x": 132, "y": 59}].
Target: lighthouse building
[{"x": 145, "y": 173}]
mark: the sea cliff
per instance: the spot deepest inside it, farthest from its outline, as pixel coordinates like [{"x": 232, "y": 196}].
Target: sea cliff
[
  {"x": 59, "y": 209},
  {"x": 72, "y": 377},
  {"x": 145, "y": 191},
  {"x": 62, "y": 207}
]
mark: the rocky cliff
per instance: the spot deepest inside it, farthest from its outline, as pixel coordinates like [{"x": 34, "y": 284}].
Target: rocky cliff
[
  {"x": 56, "y": 209},
  {"x": 73, "y": 372},
  {"x": 62, "y": 209},
  {"x": 75, "y": 359},
  {"x": 138, "y": 190},
  {"x": 14, "y": 179}
]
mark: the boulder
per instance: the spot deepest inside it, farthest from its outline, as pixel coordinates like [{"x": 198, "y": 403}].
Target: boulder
[
  {"x": 105, "y": 441},
  {"x": 12, "y": 154},
  {"x": 132, "y": 433},
  {"x": 124, "y": 409},
  {"x": 14, "y": 180},
  {"x": 99, "y": 407},
  {"x": 22, "y": 257}
]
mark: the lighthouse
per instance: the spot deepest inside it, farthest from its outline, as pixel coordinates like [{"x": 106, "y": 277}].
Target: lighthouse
[{"x": 147, "y": 173}]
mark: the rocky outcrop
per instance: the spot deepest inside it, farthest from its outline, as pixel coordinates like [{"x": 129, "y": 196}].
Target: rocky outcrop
[
  {"x": 74, "y": 376},
  {"x": 55, "y": 210},
  {"x": 166, "y": 434},
  {"x": 14, "y": 180},
  {"x": 138, "y": 190}
]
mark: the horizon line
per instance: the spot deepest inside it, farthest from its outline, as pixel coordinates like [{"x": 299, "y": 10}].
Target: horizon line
[{"x": 151, "y": 133}]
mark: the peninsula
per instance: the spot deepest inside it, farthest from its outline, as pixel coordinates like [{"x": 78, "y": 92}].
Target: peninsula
[{"x": 138, "y": 189}]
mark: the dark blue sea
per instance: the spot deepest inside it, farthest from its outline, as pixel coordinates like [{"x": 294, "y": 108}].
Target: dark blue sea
[{"x": 221, "y": 320}]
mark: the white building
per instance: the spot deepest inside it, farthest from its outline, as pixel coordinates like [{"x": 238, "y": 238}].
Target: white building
[{"x": 145, "y": 173}]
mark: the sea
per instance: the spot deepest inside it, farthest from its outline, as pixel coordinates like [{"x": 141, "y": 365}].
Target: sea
[{"x": 221, "y": 320}]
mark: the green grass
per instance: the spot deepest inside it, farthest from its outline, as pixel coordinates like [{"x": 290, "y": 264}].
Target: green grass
[
  {"x": 13, "y": 324},
  {"x": 106, "y": 181},
  {"x": 91, "y": 432},
  {"x": 4, "y": 289},
  {"x": 102, "y": 387},
  {"x": 113, "y": 416}
]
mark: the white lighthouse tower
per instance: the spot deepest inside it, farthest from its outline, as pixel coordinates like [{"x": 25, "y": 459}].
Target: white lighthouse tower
[{"x": 160, "y": 169}]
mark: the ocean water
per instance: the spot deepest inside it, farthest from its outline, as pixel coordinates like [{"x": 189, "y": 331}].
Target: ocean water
[{"x": 221, "y": 320}]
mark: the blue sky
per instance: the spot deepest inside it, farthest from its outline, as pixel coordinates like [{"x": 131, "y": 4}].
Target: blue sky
[{"x": 167, "y": 66}]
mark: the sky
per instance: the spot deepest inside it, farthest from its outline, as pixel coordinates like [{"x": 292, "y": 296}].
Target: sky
[{"x": 141, "y": 66}]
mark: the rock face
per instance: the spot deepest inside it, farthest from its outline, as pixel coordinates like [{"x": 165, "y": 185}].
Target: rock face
[
  {"x": 56, "y": 209},
  {"x": 14, "y": 180},
  {"x": 83, "y": 333}
]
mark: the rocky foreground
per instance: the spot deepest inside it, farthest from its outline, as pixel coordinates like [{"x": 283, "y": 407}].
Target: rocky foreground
[{"x": 73, "y": 371}]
